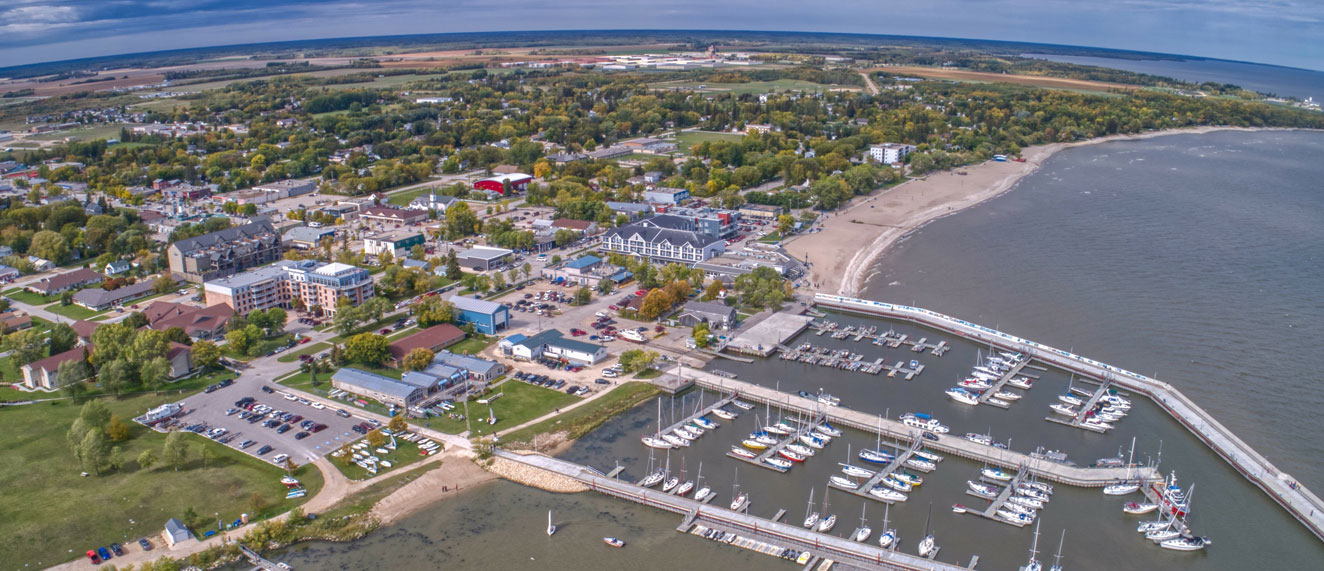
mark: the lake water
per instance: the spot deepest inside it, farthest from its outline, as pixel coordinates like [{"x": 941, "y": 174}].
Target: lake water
[
  {"x": 1195, "y": 258},
  {"x": 1283, "y": 81}
]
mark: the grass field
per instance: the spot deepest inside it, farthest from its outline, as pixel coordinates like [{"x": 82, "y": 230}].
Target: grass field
[
  {"x": 689, "y": 139},
  {"x": 83, "y": 133},
  {"x": 291, "y": 356},
  {"x": 519, "y": 403},
  {"x": 584, "y": 419},
  {"x": 405, "y": 453},
  {"x": 19, "y": 295},
  {"x": 404, "y": 198},
  {"x": 264, "y": 346},
  {"x": 473, "y": 345},
  {"x": 73, "y": 311},
  {"x": 48, "y": 509},
  {"x": 989, "y": 77},
  {"x": 754, "y": 87}
]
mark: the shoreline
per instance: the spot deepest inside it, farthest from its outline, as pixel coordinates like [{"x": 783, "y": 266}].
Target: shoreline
[{"x": 840, "y": 266}]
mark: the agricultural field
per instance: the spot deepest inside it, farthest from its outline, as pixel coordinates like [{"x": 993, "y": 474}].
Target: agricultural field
[{"x": 754, "y": 87}]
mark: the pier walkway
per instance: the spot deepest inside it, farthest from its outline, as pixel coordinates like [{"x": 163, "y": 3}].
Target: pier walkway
[
  {"x": 849, "y": 553},
  {"x": 721, "y": 402},
  {"x": 884, "y": 471},
  {"x": 1002, "y": 382},
  {"x": 991, "y": 512},
  {"x": 1304, "y": 505}
]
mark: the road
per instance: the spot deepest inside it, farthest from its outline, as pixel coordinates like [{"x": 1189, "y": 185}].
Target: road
[{"x": 868, "y": 81}]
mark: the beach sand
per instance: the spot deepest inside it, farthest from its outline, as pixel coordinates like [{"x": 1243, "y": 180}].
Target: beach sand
[{"x": 856, "y": 236}]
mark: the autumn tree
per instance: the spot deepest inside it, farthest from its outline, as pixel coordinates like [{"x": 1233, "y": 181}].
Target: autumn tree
[
  {"x": 367, "y": 348},
  {"x": 418, "y": 359}
]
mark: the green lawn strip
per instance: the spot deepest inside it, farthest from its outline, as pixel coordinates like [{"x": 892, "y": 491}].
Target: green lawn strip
[
  {"x": 405, "y": 453},
  {"x": 473, "y": 345},
  {"x": 73, "y": 311},
  {"x": 688, "y": 139},
  {"x": 648, "y": 374},
  {"x": 583, "y": 419},
  {"x": 520, "y": 403},
  {"x": 47, "y": 508},
  {"x": 291, "y": 356},
  {"x": 22, "y": 296},
  {"x": 374, "y": 327},
  {"x": 405, "y": 197},
  {"x": 402, "y": 333}
]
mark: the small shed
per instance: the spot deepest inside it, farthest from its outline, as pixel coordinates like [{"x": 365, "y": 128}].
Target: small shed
[{"x": 176, "y": 531}]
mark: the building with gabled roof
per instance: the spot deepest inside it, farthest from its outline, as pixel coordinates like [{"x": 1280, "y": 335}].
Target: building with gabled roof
[
  {"x": 663, "y": 245},
  {"x": 486, "y": 317},
  {"x": 224, "y": 252},
  {"x": 552, "y": 343}
]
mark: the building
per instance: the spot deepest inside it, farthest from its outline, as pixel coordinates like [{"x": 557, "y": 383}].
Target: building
[
  {"x": 287, "y": 188},
  {"x": 890, "y": 153},
  {"x": 475, "y": 368},
  {"x": 434, "y": 339},
  {"x": 225, "y": 252},
  {"x": 581, "y": 226},
  {"x": 341, "y": 210},
  {"x": 43, "y": 374},
  {"x": 398, "y": 243},
  {"x": 307, "y": 237},
  {"x": 388, "y": 391},
  {"x": 483, "y": 258},
  {"x": 760, "y": 211},
  {"x": 553, "y": 344},
  {"x": 758, "y": 128},
  {"x": 117, "y": 267},
  {"x": 197, "y": 322},
  {"x": 649, "y": 145},
  {"x": 516, "y": 182},
  {"x": 631, "y": 210},
  {"x": 175, "y": 532},
  {"x": 14, "y": 320},
  {"x": 587, "y": 271},
  {"x": 722, "y": 224},
  {"x": 98, "y": 299},
  {"x": 661, "y": 244},
  {"x": 306, "y": 283},
  {"x": 389, "y": 215},
  {"x": 664, "y": 195},
  {"x": 180, "y": 357},
  {"x": 8, "y": 274},
  {"x": 486, "y": 317},
  {"x": 432, "y": 201},
  {"x": 67, "y": 281},
  {"x": 716, "y": 314}
]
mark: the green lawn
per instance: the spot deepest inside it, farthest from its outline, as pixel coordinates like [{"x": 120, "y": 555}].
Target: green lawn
[
  {"x": 473, "y": 345},
  {"x": 84, "y": 133},
  {"x": 584, "y": 419},
  {"x": 73, "y": 311},
  {"x": 412, "y": 329},
  {"x": 648, "y": 374},
  {"x": 689, "y": 139},
  {"x": 19, "y": 295},
  {"x": 374, "y": 327},
  {"x": 404, "y": 198},
  {"x": 291, "y": 356},
  {"x": 520, "y": 403},
  {"x": 774, "y": 236},
  {"x": 405, "y": 453},
  {"x": 47, "y": 508}
]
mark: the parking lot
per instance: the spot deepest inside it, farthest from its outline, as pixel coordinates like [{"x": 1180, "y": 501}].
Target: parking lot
[{"x": 209, "y": 413}]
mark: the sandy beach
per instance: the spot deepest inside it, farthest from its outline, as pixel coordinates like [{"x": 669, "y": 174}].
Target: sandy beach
[{"x": 855, "y": 237}]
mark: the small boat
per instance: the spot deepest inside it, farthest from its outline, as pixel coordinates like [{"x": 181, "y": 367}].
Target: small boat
[
  {"x": 862, "y": 534},
  {"x": 787, "y": 454},
  {"x": 685, "y": 433},
  {"x": 908, "y": 478},
  {"x": 1036, "y": 485},
  {"x": 828, "y": 429},
  {"x": 299, "y": 493},
  {"x": 824, "y": 438},
  {"x": 779, "y": 462},
  {"x": 996, "y": 474},
  {"x": 706, "y": 423},
  {"x": 892, "y": 482},
  {"x": 1185, "y": 543},
  {"x": 811, "y": 442},
  {"x": 974, "y": 384},
  {"x": 1148, "y": 526},
  {"x": 875, "y": 456},
  {"x": 1121, "y": 488},
  {"x": 1011, "y": 517},
  {"x": 806, "y": 395},
  {"x": 289, "y": 480},
  {"x": 984, "y": 439},
  {"x": 887, "y": 494},
  {"x": 927, "y": 455},
  {"x": 1018, "y": 509},
  {"x": 997, "y": 402},
  {"x": 1135, "y": 508},
  {"x": 1163, "y": 534},
  {"x": 1007, "y": 396},
  {"x": 843, "y": 482},
  {"x": 1063, "y": 409},
  {"x": 675, "y": 440},
  {"x": 741, "y": 452},
  {"x": 685, "y": 487},
  {"x": 887, "y": 538},
  {"x": 1026, "y": 501},
  {"x": 958, "y": 508},
  {"x": 703, "y": 493},
  {"x": 652, "y": 442},
  {"x": 764, "y": 438},
  {"x": 652, "y": 479},
  {"x": 1021, "y": 382},
  {"x": 811, "y": 516},
  {"x": 828, "y": 400},
  {"x": 924, "y": 422},
  {"x": 856, "y": 471},
  {"x": 756, "y": 445},
  {"x": 962, "y": 396},
  {"x": 670, "y": 483},
  {"x": 1032, "y": 493},
  {"x": 1095, "y": 423},
  {"x": 1033, "y": 564},
  {"x": 739, "y": 501},
  {"x": 982, "y": 489},
  {"x": 776, "y": 429},
  {"x": 801, "y": 450},
  {"x": 742, "y": 405},
  {"x": 550, "y": 528},
  {"x": 826, "y": 524},
  {"x": 724, "y": 414},
  {"x": 920, "y": 464},
  {"x": 1070, "y": 399},
  {"x": 612, "y": 541}
]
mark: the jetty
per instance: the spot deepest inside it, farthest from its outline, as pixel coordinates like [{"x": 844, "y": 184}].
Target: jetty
[
  {"x": 889, "y": 338},
  {"x": 884, "y": 471},
  {"x": 1299, "y": 501},
  {"x": 1002, "y": 382},
  {"x": 1078, "y": 421}
]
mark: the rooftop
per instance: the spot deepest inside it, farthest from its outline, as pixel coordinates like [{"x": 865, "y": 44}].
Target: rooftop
[
  {"x": 485, "y": 253},
  {"x": 374, "y": 382},
  {"x": 465, "y": 303}
]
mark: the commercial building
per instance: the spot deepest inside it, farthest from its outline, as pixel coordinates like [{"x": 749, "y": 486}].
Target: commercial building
[
  {"x": 665, "y": 195},
  {"x": 67, "y": 281},
  {"x": 397, "y": 242},
  {"x": 225, "y": 252},
  {"x": 388, "y": 391},
  {"x": 475, "y": 368},
  {"x": 649, "y": 145},
  {"x": 390, "y": 215},
  {"x": 552, "y": 343},
  {"x": 722, "y": 224},
  {"x": 287, "y": 188},
  {"x": 662, "y": 245},
  {"x": 98, "y": 299},
  {"x": 310, "y": 283},
  {"x": 487, "y": 317},
  {"x": 307, "y": 237},
  {"x": 587, "y": 271},
  {"x": 483, "y": 258},
  {"x": 581, "y": 226},
  {"x": 717, "y": 315},
  {"x": 760, "y": 211},
  {"x": 890, "y": 153},
  {"x": 516, "y": 182},
  {"x": 434, "y": 339}
]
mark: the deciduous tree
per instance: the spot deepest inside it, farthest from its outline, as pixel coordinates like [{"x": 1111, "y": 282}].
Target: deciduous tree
[{"x": 418, "y": 359}]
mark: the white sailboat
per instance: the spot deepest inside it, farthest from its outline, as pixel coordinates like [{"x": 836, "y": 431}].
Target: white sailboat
[
  {"x": 862, "y": 534},
  {"x": 1033, "y": 564},
  {"x": 928, "y": 547},
  {"x": 811, "y": 516},
  {"x": 1126, "y": 486},
  {"x": 738, "y": 499},
  {"x": 550, "y": 528},
  {"x": 888, "y": 538},
  {"x": 1057, "y": 559},
  {"x": 829, "y": 520}
]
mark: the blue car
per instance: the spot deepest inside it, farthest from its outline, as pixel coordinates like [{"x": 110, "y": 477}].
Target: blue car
[{"x": 104, "y": 553}]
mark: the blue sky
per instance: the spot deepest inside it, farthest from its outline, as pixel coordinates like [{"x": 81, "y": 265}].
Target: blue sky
[{"x": 1282, "y": 32}]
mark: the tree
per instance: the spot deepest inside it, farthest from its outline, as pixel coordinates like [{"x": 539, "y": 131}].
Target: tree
[
  {"x": 50, "y": 245},
  {"x": 700, "y": 334},
  {"x": 207, "y": 454},
  {"x": 605, "y": 287},
  {"x": 453, "y": 271},
  {"x": 498, "y": 281},
  {"x": 784, "y": 224},
  {"x": 460, "y": 221},
  {"x": 93, "y": 451},
  {"x": 154, "y": 374},
  {"x": 163, "y": 284},
  {"x": 206, "y": 354},
  {"x": 418, "y": 359},
  {"x": 147, "y": 459},
  {"x": 116, "y": 376},
  {"x": 375, "y": 307},
  {"x": 583, "y": 296},
  {"x": 237, "y": 341},
  {"x": 276, "y": 318},
  {"x": 348, "y": 318},
  {"x": 367, "y": 348},
  {"x": 636, "y": 360},
  {"x": 434, "y": 310},
  {"x": 526, "y": 270},
  {"x": 564, "y": 236},
  {"x": 94, "y": 414},
  {"x": 27, "y": 346},
  {"x": 63, "y": 338},
  {"x": 713, "y": 291},
  {"x": 656, "y": 302},
  {"x": 398, "y": 423},
  {"x": 117, "y": 429},
  {"x": 175, "y": 452},
  {"x": 116, "y": 459},
  {"x": 74, "y": 436},
  {"x": 111, "y": 340},
  {"x": 376, "y": 438}
]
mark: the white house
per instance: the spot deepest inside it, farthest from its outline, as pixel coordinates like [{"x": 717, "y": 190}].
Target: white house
[{"x": 432, "y": 201}]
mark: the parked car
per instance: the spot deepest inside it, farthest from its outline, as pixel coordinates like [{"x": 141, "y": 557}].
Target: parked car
[
  {"x": 143, "y": 543},
  {"x": 117, "y": 550},
  {"x": 280, "y": 458},
  {"x": 93, "y": 557},
  {"x": 104, "y": 553},
  {"x": 301, "y": 436},
  {"x": 342, "y": 412},
  {"x": 264, "y": 449}
]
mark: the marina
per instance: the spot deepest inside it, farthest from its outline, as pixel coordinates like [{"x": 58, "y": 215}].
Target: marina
[
  {"x": 988, "y": 396},
  {"x": 997, "y": 504},
  {"x": 810, "y": 354},
  {"x": 890, "y": 338},
  {"x": 768, "y": 458},
  {"x": 864, "y": 487}
]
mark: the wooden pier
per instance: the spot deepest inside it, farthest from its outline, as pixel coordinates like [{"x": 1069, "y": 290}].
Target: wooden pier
[{"x": 889, "y": 338}]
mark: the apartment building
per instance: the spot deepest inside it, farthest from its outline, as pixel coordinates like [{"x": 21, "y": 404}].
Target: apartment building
[
  {"x": 662, "y": 245},
  {"x": 307, "y": 282},
  {"x": 225, "y": 252}
]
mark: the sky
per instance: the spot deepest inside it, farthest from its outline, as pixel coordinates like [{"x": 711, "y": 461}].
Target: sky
[{"x": 1280, "y": 32}]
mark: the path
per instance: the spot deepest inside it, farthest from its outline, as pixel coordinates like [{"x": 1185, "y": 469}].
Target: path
[{"x": 868, "y": 81}]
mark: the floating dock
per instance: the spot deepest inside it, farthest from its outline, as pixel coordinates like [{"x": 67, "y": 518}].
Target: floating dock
[
  {"x": 991, "y": 512},
  {"x": 771, "y": 451},
  {"x": 889, "y": 338},
  {"x": 1002, "y": 382},
  {"x": 1078, "y": 421},
  {"x": 884, "y": 471},
  {"x": 721, "y": 402}
]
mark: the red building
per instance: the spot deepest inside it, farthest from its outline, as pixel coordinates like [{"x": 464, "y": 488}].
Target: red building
[{"x": 518, "y": 182}]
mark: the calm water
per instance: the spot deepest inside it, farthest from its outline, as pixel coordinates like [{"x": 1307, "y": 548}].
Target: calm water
[
  {"x": 1284, "y": 81},
  {"x": 1193, "y": 257}
]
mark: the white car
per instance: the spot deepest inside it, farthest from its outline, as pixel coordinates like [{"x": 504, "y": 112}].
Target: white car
[
  {"x": 602, "y": 314},
  {"x": 280, "y": 458},
  {"x": 318, "y": 405},
  {"x": 289, "y": 396}
]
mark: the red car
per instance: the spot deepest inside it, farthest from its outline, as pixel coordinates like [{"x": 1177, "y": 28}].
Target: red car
[
  {"x": 641, "y": 293},
  {"x": 613, "y": 308},
  {"x": 92, "y": 556},
  {"x": 577, "y": 332},
  {"x": 305, "y": 340},
  {"x": 386, "y": 330}
]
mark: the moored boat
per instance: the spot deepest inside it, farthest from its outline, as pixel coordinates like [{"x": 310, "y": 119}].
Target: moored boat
[
  {"x": 887, "y": 494},
  {"x": 843, "y": 482},
  {"x": 958, "y": 508},
  {"x": 724, "y": 414},
  {"x": 685, "y": 487},
  {"x": 962, "y": 396},
  {"x": 756, "y": 445},
  {"x": 742, "y": 405},
  {"x": 856, "y": 471},
  {"x": 778, "y": 462},
  {"x": 875, "y": 456},
  {"x": 652, "y": 442},
  {"x": 996, "y": 474},
  {"x": 741, "y": 452},
  {"x": 614, "y": 542},
  {"x": 1185, "y": 543},
  {"x": 1136, "y": 508}
]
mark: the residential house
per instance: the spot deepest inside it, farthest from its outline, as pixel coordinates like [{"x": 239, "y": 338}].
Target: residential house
[
  {"x": 661, "y": 244},
  {"x": 98, "y": 299},
  {"x": 197, "y": 322},
  {"x": 67, "y": 281},
  {"x": 42, "y": 374},
  {"x": 13, "y": 320},
  {"x": 116, "y": 268},
  {"x": 716, "y": 314},
  {"x": 432, "y": 201},
  {"x": 8, "y": 274}
]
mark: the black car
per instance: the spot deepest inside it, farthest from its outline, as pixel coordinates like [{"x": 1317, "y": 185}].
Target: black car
[
  {"x": 264, "y": 449},
  {"x": 119, "y": 551},
  {"x": 267, "y": 389},
  {"x": 602, "y": 381},
  {"x": 283, "y": 429},
  {"x": 301, "y": 436},
  {"x": 146, "y": 545},
  {"x": 571, "y": 389},
  {"x": 929, "y": 435}
]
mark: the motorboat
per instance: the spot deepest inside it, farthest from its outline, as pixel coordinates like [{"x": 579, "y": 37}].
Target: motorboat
[
  {"x": 778, "y": 462},
  {"x": 920, "y": 464},
  {"x": 1096, "y": 423},
  {"x": 1185, "y": 543},
  {"x": 887, "y": 494},
  {"x": 962, "y": 396},
  {"x": 843, "y": 482},
  {"x": 806, "y": 395},
  {"x": 984, "y": 439},
  {"x": 787, "y": 454},
  {"x": 908, "y": 478},
  {"x": 685, "y": 487},
  {"x": 1136, "y": 508},
  {"x": 958, "y": 508},
  {"x": 741, "y": 452},
  {"x": 856, "y": 471},
  {"x": 892, "y": 482},
  {"x": 652, "y": 442},
  {"x": 724, "y": 414},
  {"x": 1070, "y": 399},
  {"x": 1012, "y": 517},
  {"x": 1007, "y": 396},
  {"x": 675, "y": 440},
  {"x": 1063, "y": 409},
  {"x": 652, "y": 479},
  {"x": 996, "y": 474},
  {"x": 1026, "y": 501},
  {"x": 975, "y": 384},
  {"x": 997, "y": 402},
  {"x": 550, "y": 528},
  {"x": 670, "y": 484},
  {"x": 1121, "y": 488},
  {"x": 706, "y": 423},
  {"x": 811, "y": 442},
  {"x": 924, "y": 422},
  {"x": 875, "y": 456},
  {"x": 614, "y": 542},
  {"x": 828, "y": 429},
  {"x": 754, "y": 444},
  {"x": 742, "y": 405},
  {"x": 1021, "y": 382},
  {"x": 982, "y": 489}
]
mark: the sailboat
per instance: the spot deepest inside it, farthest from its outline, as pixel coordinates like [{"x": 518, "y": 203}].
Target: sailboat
[
  {"x": 704, "y": 490},
  {"x": 670, "y": 481},
  {"x": 927, "y": 546},
  {"x": 1033, "y": 564},
  {"x": 1057, "y": 559},
  {"x": 1126, "y": 486},
  {"x": 656, "y": 440},
  {"x": 811, "y": 516},
  {"x": 829, "y": 519},
  {"x": 739, "y": 499},
  {"x": 862, "y": 534},
  {"x": 888, "y": 538},
  {"x": 686, "y": 485},
  {"x": 550, "y": 528}
]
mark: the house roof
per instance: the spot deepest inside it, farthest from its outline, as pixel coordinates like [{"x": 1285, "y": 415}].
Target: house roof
[
  {"x": 554, "y": 338},
  {"x": 464, "y": 303},
  {"x": 67, "y": 279},
  {"x": 485, "y": 253},
  {"x": 307, "y": 234},
  {"x": 176, "y": 527},
  {"x": 583, "y": 262},
  {"x": 247, "y": 231},
  {"x": 467, "y": 362},
  {"x": 84, "y": 329},
  {"x": 392, "y": 213},
  {"x": 660, "y": 235},
  {"x": 572, "y": 224},
  {"x": 100, "y": 297},
  {"x": 163, "y": 315},
  {"x": 432, "y": 338},
  {"x": 374, "y": 382},
  {"x": 53, "y": 362},
  {"x": 708, "y": 310}
]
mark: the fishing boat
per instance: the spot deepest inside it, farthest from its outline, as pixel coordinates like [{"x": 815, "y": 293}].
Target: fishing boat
[
  {"x": 828, "y": 429},
  {"x": 706, "y": 423},
  {"x": 928, "y": 547},
  {"x": 778, "y": 462},
  {"x": 811, "y": 442},
  {"x": 1007, "y": 396},
  {"x": 959, "y": 509},
  {"x": 1135, "y": 508},
  {"x": 856, "y": 471},
  {"x": 962, "y": 396},
  {"x": 887, "y": 538},
  {"x": 612, "y": 541},
  {"x": 996, "y": 474},
  {"x": 887, "y": 494},
  {"x": 1185, "y": 543},
  {"x": 685, "y": 487},
  {"x": 1033, "y": 564},
  {"x": 652, "y": 442},
  {"x": 801, "y": 450},
  {"x": 787, "y": 454},
  {"x": 811, "y": 516},
  {"x": 724, "y": 414},
  {"x": 908, "y": 478},
  {"x": 741, "y": 452},
  {"x": 754, "y": 444},
  {"x": 742, "y": 405},
  {"x": 652, "y": 479},
  {"x": 843, "y": 482},
  {"x": 550, "y": 528},
  {"x": 1063, "y": 409},
  {"x": 875, "y": 456},
  {"x": 1021, "y": 382},
  {"x": 984, "y": 439},
  {"x": 920, "y": 464}
]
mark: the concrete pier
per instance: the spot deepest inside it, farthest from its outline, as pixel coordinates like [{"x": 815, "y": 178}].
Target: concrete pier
[{"x": 1304, "y": 505}]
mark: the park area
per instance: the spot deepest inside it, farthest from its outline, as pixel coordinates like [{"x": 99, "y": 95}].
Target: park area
[
  {"x": 519, "y": 403},
  {"x": 688, "y": 139},
  {"x": 583, "y": 419},
  {"x": 391, "y": 455}
]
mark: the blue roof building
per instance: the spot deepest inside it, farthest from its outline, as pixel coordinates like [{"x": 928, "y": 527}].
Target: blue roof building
[{"x": 487, "y": 317}]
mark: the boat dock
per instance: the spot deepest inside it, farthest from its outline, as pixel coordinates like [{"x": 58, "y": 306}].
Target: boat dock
[
  {"x": 991, "y": 512},
  {"x": 842, "y": 359},
  {"x": 889, "y": 338},
  {"x": 750, "y": 530},
  {"x": 257, "y": 561},
  {"x": 721, "y": 402},
  {"x": 1078, "y": 421},
  {"x": 761, "y": 459},
  {"x": 1002, "y": 382},
  {"x": 1299, "y": 501},
  {"x": 884, "y": 471}
]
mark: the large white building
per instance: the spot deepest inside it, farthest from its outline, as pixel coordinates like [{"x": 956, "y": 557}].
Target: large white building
[
  {"x": 890, "y": 153},
  {"x": 551, "y": 343},
  {"x": 662, "y": 244}
]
